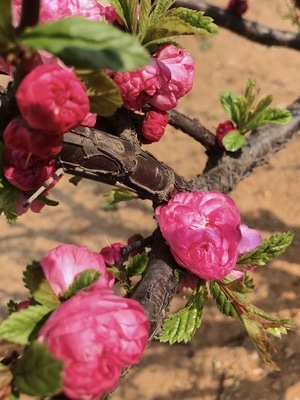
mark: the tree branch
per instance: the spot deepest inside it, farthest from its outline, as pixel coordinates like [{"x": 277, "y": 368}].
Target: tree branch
[{"x": 249, "y": 29}]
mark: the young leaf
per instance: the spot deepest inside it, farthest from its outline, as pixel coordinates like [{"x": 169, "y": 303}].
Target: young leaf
[
  {"x": 230, "y": 102},
  {"x": 87, "y": 44},
  {"x": 82, "y": 282},
  {"x": 243, "y": 285},
  {"x": 8, "y": 200},
  {"x": 200, "y": 24},
  {"x": 115, "y": 196},
  {"x": 137, "y": 264},
  {"x": 35, "y": 281},
  {"x": 233, "y": 141},
  {"x": 182, "y": 325},
  {"x": 145, "y": 9},
  {"x": 103, "y": 93},
  {"x": 224, "y": 304},
  {"x": 267, "y": 250},
  {"x": 22, "y": 326},
  {"x": 38, "y": 373}
]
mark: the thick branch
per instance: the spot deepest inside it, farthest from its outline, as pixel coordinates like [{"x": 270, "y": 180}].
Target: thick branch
[{"x": 250, "y": 29}]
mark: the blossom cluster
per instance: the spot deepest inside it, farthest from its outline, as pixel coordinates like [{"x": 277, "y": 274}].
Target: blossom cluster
[
  {"x": 160, "y": 85},
  {"x": 205, "y": 234},
  {"x": 94, "y": 332}
]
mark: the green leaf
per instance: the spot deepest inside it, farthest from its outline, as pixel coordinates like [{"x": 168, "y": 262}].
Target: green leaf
[
  {"x": 75, "y": 180},
  {"x": 233, "y": 141},
  {"x": 35, "y": 281},
  {"x": 223, "y": 303},
  {"x": 103, "y": 93},
  {"x": 22, "y": 326},
  {"x": 145, "y": 9},
  {"x": 267, "y": 250},
  {"x": 115, "y": 196},
  {"x": 170, "y": 27},
  {"x": 82, "y": 282},
  {"x": 199, "y": 23},
  {"x": 229, "y": 102},
  {"x": 182, "y": 325},
  {"x": 8, "y": 200},
  {"x": 87, "y": 44},
  {"x": 38, "y": 373},
  {"x": 242, "y": 285},
  {"x": 137, "y": 264}
]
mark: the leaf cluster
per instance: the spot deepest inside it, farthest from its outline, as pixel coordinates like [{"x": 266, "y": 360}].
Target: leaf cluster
[
  {"x": 249, "y": 113},
  {"x": 154, "y": 23}
]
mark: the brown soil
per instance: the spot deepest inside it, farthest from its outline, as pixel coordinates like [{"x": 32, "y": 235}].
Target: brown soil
[{"x": 220, "y": 362}]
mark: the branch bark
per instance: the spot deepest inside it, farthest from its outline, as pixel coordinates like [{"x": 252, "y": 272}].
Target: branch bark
[{"x": 249, "y": 29}]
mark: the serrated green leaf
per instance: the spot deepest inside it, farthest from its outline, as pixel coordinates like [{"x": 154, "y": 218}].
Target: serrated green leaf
[
  {"x": 183, "y": 325},
  {"x": 170, "y": 27},
  {"x": 200, "y": 24},
  {"x": 271, "y": 116},
  {"x": 242, "y": 285},
  {"x": 38, "y": 286},
  {"x": 8, "y": 200},
  {"x": 38, "y": 373},
  {"x": 12, "y": 306},
  {"x": 87, "y": 44},
  {"x": 137, "y": 264},
  {"x": 82, "y": 282},
  {"x": 103, "y": 93},
  {"x": 222, "y": 301},
  {"x": 267, "y": 250},
  {"x": 233, "y": 141},
  {"x": 230, "y": 103},
  {"x": 22, "y": 326}
]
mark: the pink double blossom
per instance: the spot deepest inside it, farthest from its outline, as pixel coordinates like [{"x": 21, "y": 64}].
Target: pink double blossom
[
  {"x": 96, "y": 334},
  {"x": 203, "y": 232},
  {"x": 154, "y": 125},
  {"x": 25, "y": 171},
  {"x": 112, "y": 254},
  {"x": 161, "y": 84},
  {"x": 19, "y": 137},
  {"x": 52, "y": 99},
  {"x": 64, "y": 263}
]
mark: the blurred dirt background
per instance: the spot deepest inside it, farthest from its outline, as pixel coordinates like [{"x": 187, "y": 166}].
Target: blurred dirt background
[{"x": 220, "y": 363}]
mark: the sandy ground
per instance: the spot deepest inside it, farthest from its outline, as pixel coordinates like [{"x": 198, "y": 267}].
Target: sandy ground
[{"x": 220, "y": 363}]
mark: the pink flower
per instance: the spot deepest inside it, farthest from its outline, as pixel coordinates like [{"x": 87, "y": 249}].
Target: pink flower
[
  {"x": 25, "y": 171},
  {"x": 112, "y": 253},
  {"x": 96, "y": 334},
  {"x": 161, "y": 84},
  {"x": 111, "y": 16},
  {"x": 64, "y": 263},
  {"x": 181, "y": 66},
  {"x": 89, "y": 120},
  {"x": 36, "y": 206},
  {"x": 237, "y": 7},
  {"x": 139, "y": 87},
  {"x": 203, "y": 232},
  {"x": 154, "y": 125},
  {"x": 249, "y": 241},
  {"x": 222, "y": 130},
  {"x": 52, "y": 99},
  {"x": 58, "y": 9},
  {"x": 17, "y": 136}
]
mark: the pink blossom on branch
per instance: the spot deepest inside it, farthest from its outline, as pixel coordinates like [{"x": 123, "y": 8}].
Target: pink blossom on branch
[
  {"x": 161, "y": 84},
  {"x": 17, "y": 136},
  {"x": 203, "y": 232},
  {"x": 52, "y": 99},
  {"x": 112, "y": 253},
  {"x": 25, "y": 171},
  {"x": 154, "y": 125},
  {"x": 64, "y": 263},
  {"x": 96, "y": 334}
]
